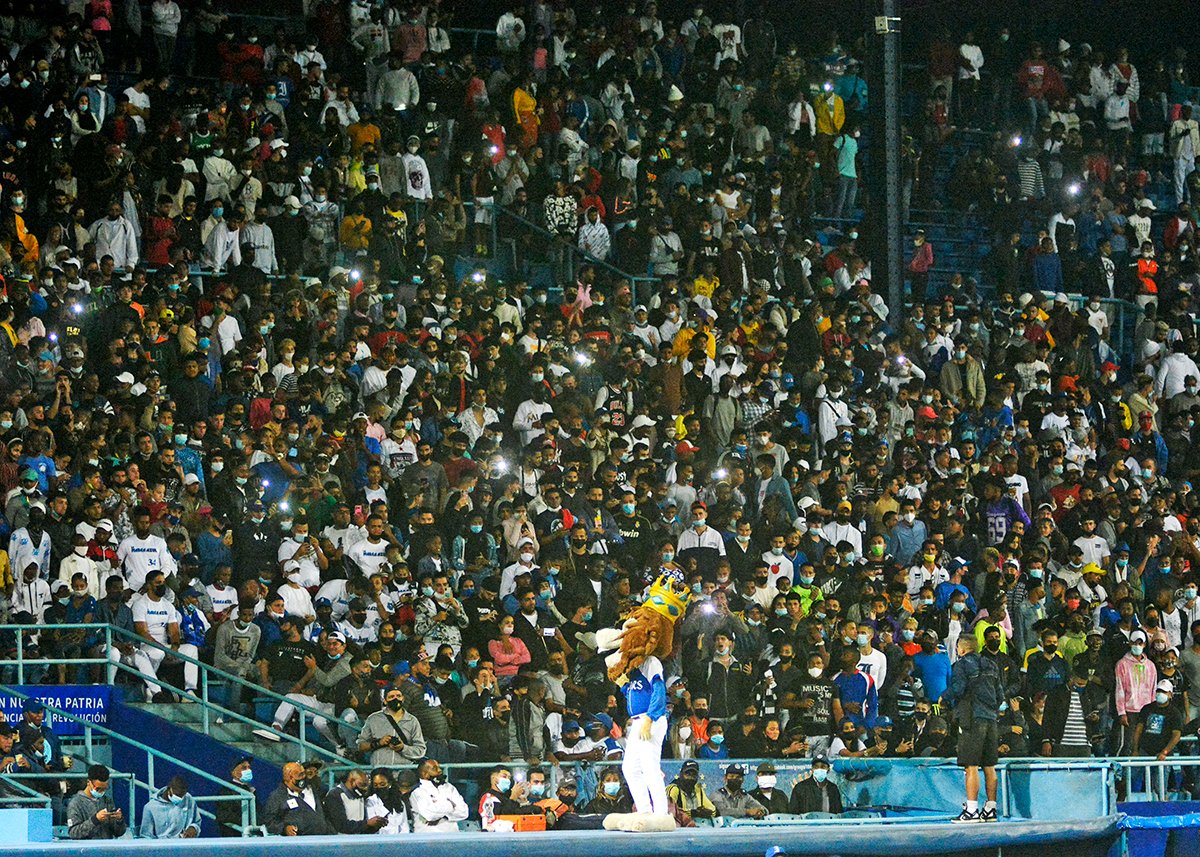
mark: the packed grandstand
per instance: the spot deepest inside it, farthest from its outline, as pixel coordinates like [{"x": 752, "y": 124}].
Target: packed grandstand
[{"x": 359, "y": 366}]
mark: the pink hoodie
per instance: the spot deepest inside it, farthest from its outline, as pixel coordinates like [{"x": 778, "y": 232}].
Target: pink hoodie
[{"x": 1136, "y": 680}]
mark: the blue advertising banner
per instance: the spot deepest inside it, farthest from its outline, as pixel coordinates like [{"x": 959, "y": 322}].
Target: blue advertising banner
[{"x": 85, "y": 701}]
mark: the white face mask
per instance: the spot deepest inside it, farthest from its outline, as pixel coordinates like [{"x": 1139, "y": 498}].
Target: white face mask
[
  {"x": 685, "y": 732},
  {"x": 80, "y": 550},
  {"x": 815, "y": 672},
  {"x": 766, "y": 781}
]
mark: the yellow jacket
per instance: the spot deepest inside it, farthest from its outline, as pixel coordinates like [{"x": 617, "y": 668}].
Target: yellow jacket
[
  {"x": 356, "y": 231},
  {"x": 683, "y": 343},
  {"x": 831, "y": 113}
]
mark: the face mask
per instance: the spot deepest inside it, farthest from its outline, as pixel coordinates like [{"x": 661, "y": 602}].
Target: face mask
[
  {"x": 1136, "y": 651},
  {"x": 1161, "y": 698},
  {"x": 820, "y": 774},
  {"x": 395, "y": 704},
  {"x": 717, "y": 740},
  {"x": 176, "y": 799},
  {"x": 503, "y": 784},
  {"x": 246, "y": 776},
  {"x": 907, "y": 634},
  {"x": 862, "y": 639},
  {"x": 815, "y": 672},
  {"x": 612, "y": 789},
  {"x": 668, "y": 556},
  {"x": 958, "y": 606}
]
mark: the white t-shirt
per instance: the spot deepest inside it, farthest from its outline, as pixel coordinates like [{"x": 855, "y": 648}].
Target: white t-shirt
[
  {"x": 296, "y": 601},
  {"x": 157, "y": 615},
  {"x": 222, "y": 599},
  {"x": 142, "y": 100},
  {"x": 338, "y": 595},
  {"x": 779, "y": 568},
  {"x": 310, "y": 572},
  {"x": 367, "y": 556},
  {"x": 368, "y": 633},
  {"x": 142, "y": 556},
  {"x": 874, "y": 664}
]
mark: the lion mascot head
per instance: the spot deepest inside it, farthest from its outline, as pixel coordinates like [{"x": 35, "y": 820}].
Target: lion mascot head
[{"x": 649, "y": 630}]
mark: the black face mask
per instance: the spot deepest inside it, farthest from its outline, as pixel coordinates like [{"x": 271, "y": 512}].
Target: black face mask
[
  {"x": 395, "y": 704},
  {"x": 439, "y": 780}
]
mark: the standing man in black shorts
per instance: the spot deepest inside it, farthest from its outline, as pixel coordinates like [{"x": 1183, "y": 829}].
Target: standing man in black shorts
[{"x": 975, "y": 694}]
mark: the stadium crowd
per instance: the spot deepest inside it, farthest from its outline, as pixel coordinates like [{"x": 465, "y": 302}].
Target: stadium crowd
[{"x": 267, "y": 404}]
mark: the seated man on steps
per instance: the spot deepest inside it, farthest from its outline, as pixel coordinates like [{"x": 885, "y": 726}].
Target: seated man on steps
[{"x": 314, "y": 688}]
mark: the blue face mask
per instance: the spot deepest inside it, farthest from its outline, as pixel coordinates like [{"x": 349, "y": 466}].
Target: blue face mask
[
  {"x": 612, "y": 789},
  {"x": 628, "y": 508},
  {"x": 175, "y": 799},
  {"x": 717, "y": 740},
  {"x": 97, "y": 794},
  {"x": 246, "y": 776},
  {"x": 820, "y": 774},
  {"x": 668, "y": 556},
  {"x": 908, "y": 635},
  {"x": 587, "y": 617},
  {"x": 958, "y": 606},
  {"x": 503, "y": 784},
  {"x": 477, "y": 528}
]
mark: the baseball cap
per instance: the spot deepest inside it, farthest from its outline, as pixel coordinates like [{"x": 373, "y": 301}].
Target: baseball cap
[
  {"x": 766, "y": 768},
  {"x": 735, "y": 769},
  {"x": 337, "y": 637},
  {"x": 1137, "y": 637},
  {"x": 1165, "y": 686}
]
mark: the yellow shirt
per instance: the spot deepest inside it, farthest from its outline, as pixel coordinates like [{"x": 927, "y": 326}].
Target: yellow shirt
[
  {"x": 704, "y": 287},
  {"x": 356, "y": 231},
  {"x": 361, "y": 134},
  {"x": 683, "y": 343}
]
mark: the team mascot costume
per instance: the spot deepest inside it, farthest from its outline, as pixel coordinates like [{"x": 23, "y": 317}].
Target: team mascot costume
[{"x": 641, "y": 643}]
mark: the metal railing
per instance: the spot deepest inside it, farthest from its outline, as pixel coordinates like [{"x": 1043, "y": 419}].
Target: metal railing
[
  {"x": 18, "y": 780},
  {"x": 209, "y": 676},
  {"x": 572, "y": 257},
  {"x": 249, "y": 820},
  {"x": 847, "y": 770}
]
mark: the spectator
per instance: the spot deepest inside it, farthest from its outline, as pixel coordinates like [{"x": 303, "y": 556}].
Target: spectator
[
  {"x": 816, "y": 793},
  {"x": 346, "y": 806},
  {"x": 293, "y": 808},
  {"x": 230, "y": 819},
  {"x": 91, "y": 813},
  {"x": 688, "y": 795},
  {"x": 436, "y": 804},
  {"x": 171, "y": 814}
]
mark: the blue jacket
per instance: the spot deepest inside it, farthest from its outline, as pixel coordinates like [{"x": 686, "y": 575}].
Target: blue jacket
[
  {"x": 166, "y": 819},
  {"x": 976, "y": 689},
  {"x": 777, "y": 487},
  {"x": 904, "y": 541}
]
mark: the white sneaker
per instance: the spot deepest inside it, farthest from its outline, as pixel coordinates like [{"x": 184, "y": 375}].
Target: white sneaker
[{"x": 268, "y": 733}]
